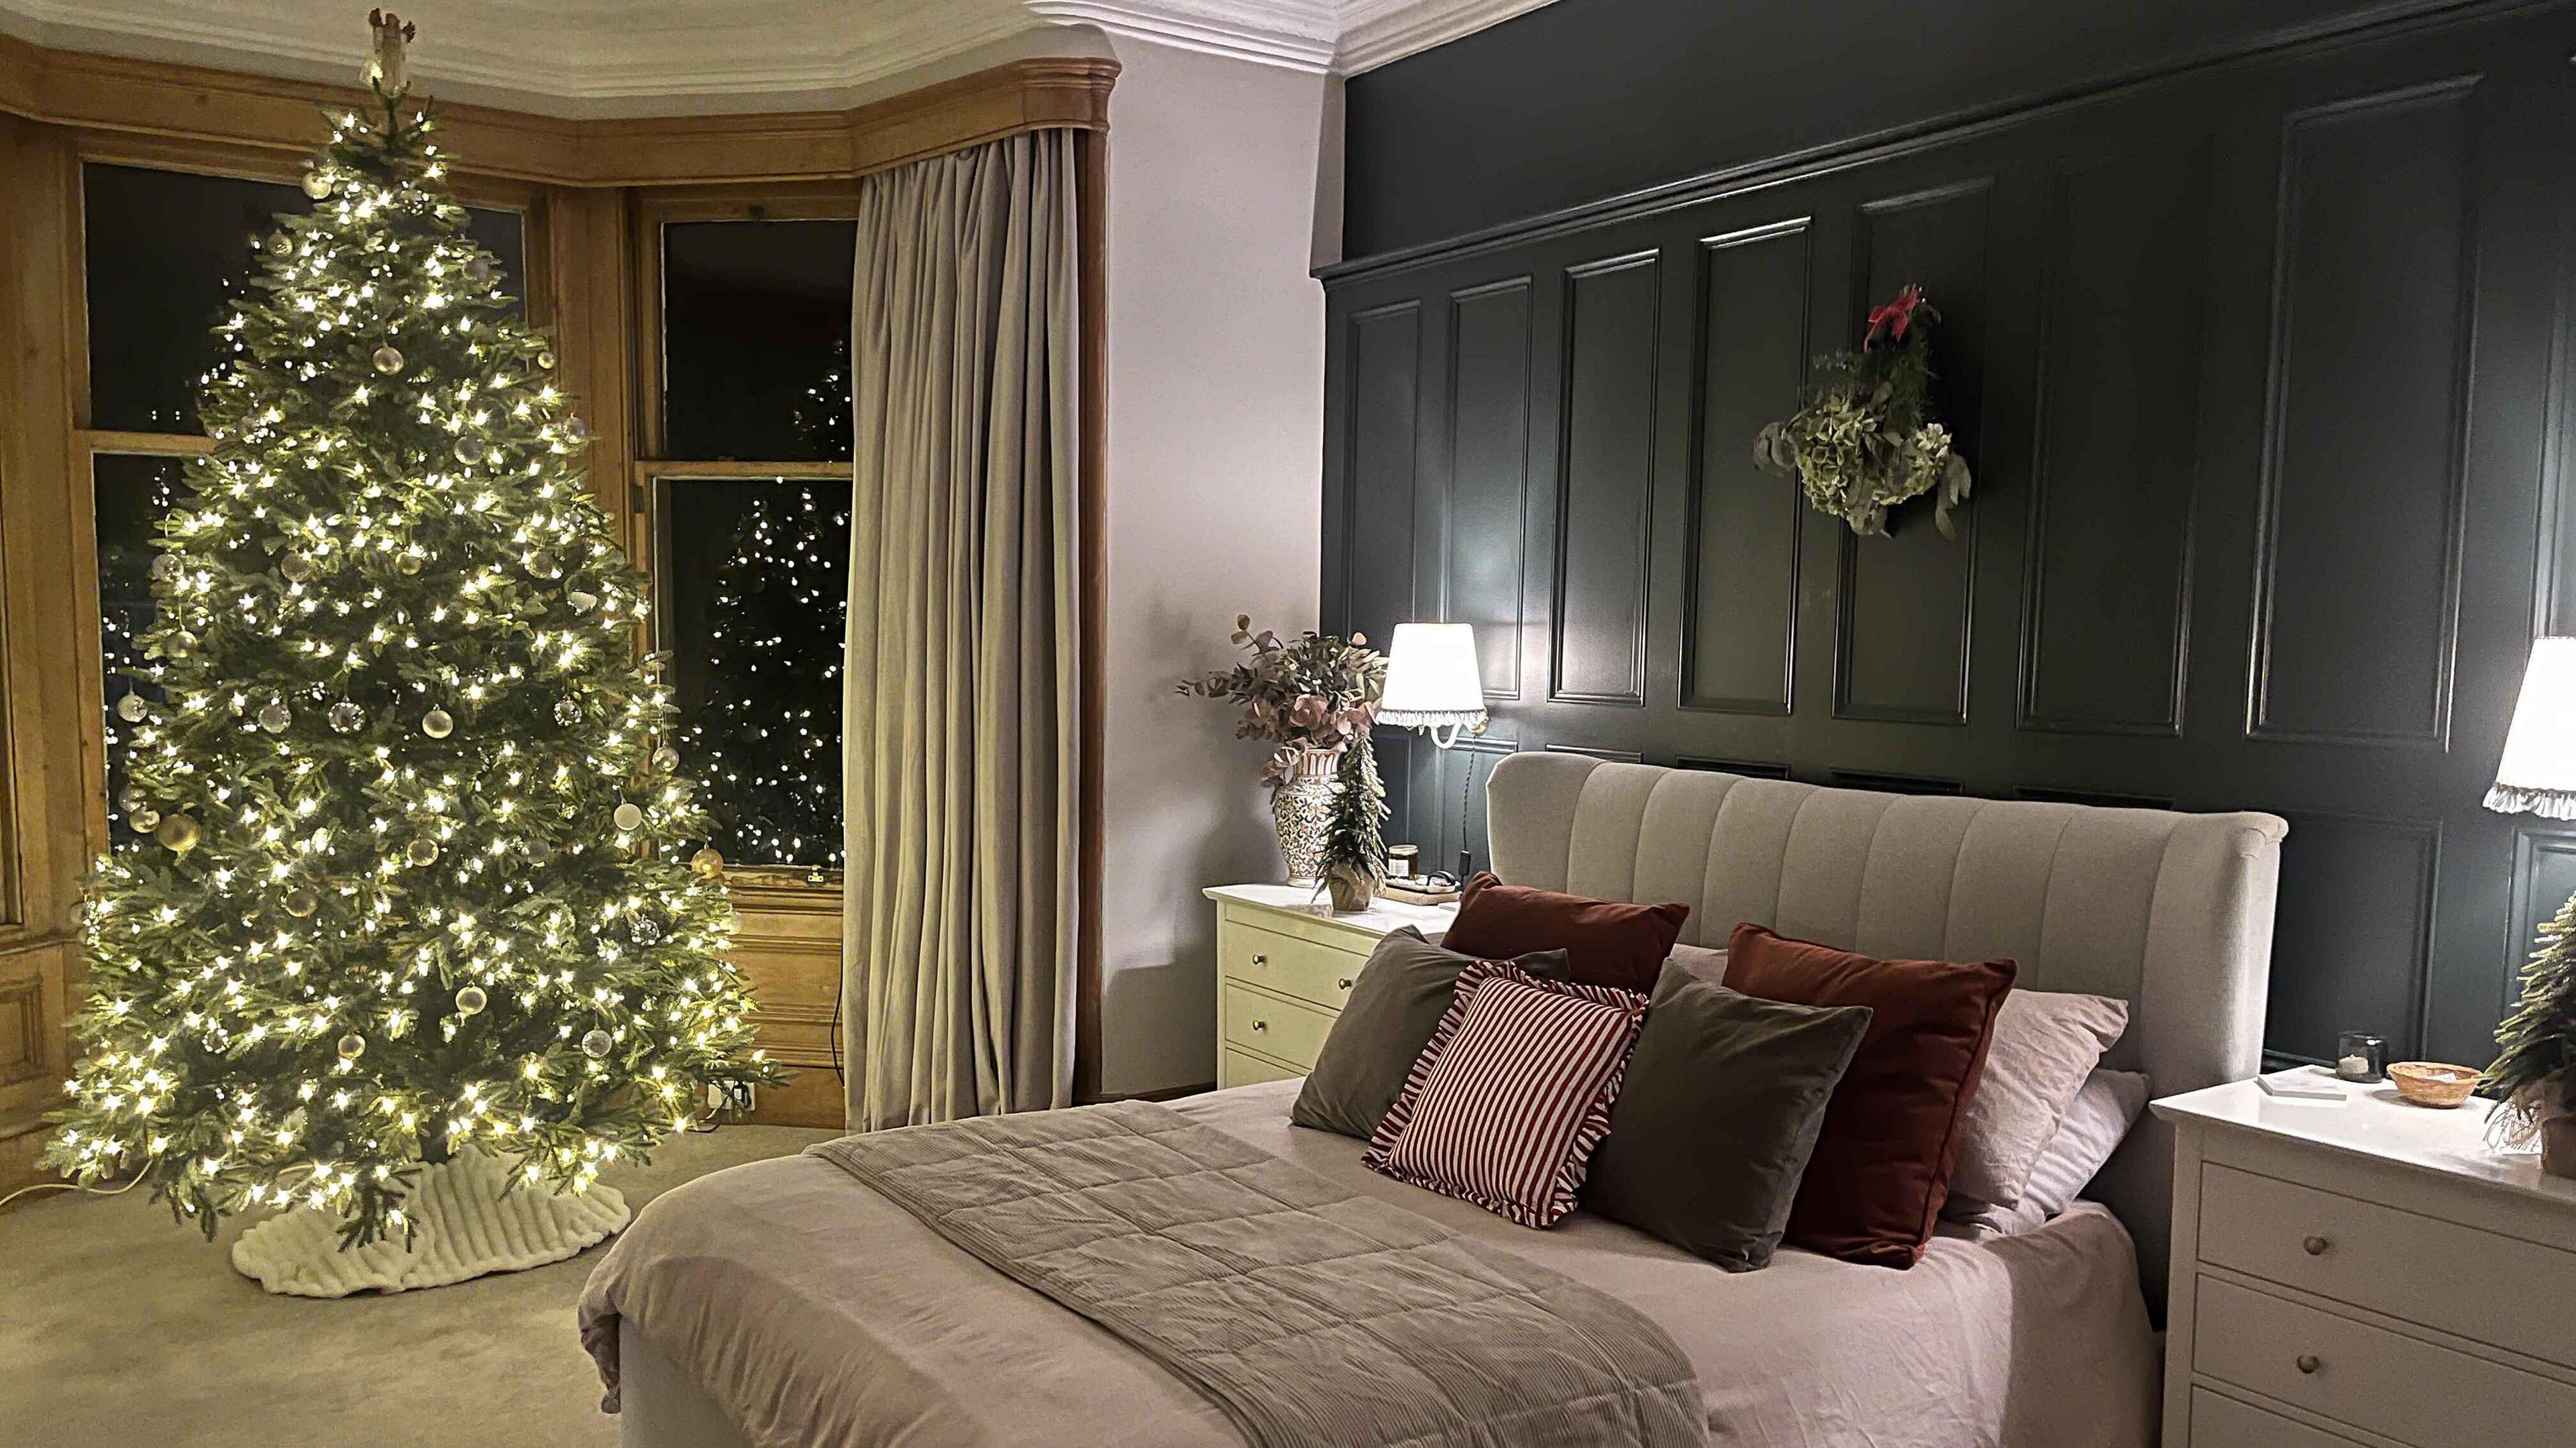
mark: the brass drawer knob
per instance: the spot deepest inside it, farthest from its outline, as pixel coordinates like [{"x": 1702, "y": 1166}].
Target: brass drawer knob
[
  {"x": 2316, "y": 1246},
  {"x": 2308, "y": 1362},
  {"x": 1344, "y": 983},
  {"x": 1261, "y": 960},
  {"x": 1261, "y": 1025}
]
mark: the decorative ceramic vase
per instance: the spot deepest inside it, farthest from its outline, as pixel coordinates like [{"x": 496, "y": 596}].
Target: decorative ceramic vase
[
  {"x": 2558, "y": 1146},
  {"x": 1301, "y": 806}
]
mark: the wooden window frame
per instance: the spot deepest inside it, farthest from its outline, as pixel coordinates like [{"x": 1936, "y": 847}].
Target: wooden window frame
[{"x": 654, "y": 210}]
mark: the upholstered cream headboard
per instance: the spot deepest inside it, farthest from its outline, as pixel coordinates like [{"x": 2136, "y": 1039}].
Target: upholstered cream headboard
[{"x": 2171, "y": 912}]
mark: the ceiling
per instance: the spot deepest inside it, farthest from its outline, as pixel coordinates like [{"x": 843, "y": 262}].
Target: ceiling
[{"x": 604, "y": 57}]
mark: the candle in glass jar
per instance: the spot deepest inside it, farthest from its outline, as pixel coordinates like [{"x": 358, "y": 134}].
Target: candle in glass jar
[{"x": 2361, "y": 1056}]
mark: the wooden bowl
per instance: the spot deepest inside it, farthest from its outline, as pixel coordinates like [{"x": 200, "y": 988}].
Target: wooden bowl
[{"x": 2430, "y": 1083}]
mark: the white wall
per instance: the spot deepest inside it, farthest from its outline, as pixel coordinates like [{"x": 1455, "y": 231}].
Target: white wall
[{"x": 1216, "y": 377}]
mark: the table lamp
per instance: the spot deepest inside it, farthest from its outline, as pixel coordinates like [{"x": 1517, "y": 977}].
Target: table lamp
[
  {"x": 1432, "y": 685},
  {"x": 2538, "y": 772}
]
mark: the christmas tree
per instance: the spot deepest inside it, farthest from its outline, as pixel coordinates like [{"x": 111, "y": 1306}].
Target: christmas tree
[
  {"x": 769, "y": 733},
  {"x": 2535, "y": 1065},
  {"x": 411, "y": 884}
]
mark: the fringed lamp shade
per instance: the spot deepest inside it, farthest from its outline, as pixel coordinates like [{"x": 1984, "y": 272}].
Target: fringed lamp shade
[
  {"x": 2538, "y": 772},
  {"x": 1431, "y": 680}
]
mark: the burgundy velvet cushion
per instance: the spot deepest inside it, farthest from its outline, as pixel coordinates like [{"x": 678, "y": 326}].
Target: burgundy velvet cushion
[
  {"x": 1881, "y": 1168},
  {"x": 1605, "y": 942}
]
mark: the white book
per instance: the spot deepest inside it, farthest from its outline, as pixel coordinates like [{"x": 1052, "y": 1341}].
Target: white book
[{"x": 2303, "y": 1083}]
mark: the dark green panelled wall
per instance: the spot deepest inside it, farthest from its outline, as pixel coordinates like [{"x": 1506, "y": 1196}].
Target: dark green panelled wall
[{"x": 2255, "y": 332}]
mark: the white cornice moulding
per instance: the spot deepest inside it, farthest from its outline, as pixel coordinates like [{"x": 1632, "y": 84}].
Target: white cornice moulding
[
  {"x": 637, "y": 57},
  {"x": 1298, "y": 34},
  {"x": 1375, "y": 32}
]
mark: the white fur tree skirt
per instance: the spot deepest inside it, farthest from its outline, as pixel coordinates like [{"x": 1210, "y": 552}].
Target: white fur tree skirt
[{"x": 466, "y": 1226}]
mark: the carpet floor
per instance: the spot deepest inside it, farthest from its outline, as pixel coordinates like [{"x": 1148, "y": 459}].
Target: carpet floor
[{"x": 118, "y": 1326}]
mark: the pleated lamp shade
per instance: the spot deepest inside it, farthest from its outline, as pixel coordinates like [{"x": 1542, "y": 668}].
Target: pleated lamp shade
[
  {"x": 1431, "y": 679},
  {"x": 2538, "y": 772}
]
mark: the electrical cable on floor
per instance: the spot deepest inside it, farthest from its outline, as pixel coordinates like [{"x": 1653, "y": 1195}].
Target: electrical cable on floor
[{"x": 70, "y": 1187}]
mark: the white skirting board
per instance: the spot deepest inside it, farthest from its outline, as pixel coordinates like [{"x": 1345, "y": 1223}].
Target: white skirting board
[{"x": 467, "y": 1226}]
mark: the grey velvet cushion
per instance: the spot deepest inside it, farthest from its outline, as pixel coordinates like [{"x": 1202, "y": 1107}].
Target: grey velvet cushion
[
  {"x": 2045, "y": 1043},
  {"x": 1711, "y": 1133},
  {"x": 2095, "y": 1125},
  {"x": 1393, "y": 1010}
]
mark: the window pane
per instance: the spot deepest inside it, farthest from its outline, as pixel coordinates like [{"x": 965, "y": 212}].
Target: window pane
[
  {"x": 133, "y": 494},
  {"x": 755, "y": 589},
  {"x": 167, "y": 252},
  {"x": 756, "y": 339}
]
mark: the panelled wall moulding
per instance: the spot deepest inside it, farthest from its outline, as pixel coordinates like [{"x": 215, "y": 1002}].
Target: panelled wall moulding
[
  {"x": 1613, "y": 314},
  {"x": 2367, "y": 502},
  {"x": 1489, "y": 481},
  {"x": 1905, "y": 602},
  {"x": 2106, "y": 627},
  {"x": 1739, "y": 637},
  {"x": 2260, "y": 370}
]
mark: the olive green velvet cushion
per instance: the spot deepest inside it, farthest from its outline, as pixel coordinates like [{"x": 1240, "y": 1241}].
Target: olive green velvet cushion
[
  {"x": 1711, "y": 1133},
  {"x": 1394, "y": 1009}
]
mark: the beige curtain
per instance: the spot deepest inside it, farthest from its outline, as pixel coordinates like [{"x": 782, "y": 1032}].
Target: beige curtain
[{"x": 959, "y": 714}]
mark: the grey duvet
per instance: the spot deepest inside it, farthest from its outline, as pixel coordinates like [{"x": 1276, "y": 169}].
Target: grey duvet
[{"x": 813, "y": 1310}]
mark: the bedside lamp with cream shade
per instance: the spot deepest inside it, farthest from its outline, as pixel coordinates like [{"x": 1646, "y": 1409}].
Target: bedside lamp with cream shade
[
  {"x": 1431, "y": 681},
  {"x": 2538, "y": 772},
  {"x": 1432, "y": 684}
]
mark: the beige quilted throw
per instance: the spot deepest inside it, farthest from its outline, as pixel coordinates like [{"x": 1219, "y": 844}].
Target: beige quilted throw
[{"x": 1314, "y": 1316}]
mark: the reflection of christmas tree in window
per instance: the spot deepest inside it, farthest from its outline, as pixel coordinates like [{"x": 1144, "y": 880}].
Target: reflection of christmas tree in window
[
  {"x": 767, "y": 738},
  {"x": 133, "y": 494},
  {"x": 822, "y": 415}
]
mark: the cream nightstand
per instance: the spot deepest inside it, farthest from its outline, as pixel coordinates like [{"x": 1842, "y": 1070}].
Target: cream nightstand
[
  {"x": 2369, "y": 1273},
  {"x": 1284, "y": 965}
]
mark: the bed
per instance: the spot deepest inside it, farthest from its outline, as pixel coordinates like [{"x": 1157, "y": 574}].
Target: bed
[{"x": 784, "y": 1303}]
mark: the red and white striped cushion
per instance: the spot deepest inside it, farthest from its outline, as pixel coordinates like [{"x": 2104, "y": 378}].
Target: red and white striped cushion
[{"x": 1504, "y": 1106}]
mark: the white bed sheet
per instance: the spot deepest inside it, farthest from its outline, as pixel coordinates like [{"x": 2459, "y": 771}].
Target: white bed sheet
[{"x": 811, "y": 1311}]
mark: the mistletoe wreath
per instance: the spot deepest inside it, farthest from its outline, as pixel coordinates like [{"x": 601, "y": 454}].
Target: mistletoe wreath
[{"x": 1866, "y": 439}]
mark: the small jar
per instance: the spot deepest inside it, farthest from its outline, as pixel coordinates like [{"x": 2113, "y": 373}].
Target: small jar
[
  {"x": 1400, "y": 861},
  {"x": 2361, "y": 1056}
]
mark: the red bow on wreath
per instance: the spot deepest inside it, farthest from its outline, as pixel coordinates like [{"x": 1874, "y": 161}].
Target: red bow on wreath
[{"x": 1893, "y": 317}]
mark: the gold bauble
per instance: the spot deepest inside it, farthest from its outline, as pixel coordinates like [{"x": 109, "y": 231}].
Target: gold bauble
[
  {"x": 178, "y": 832},
  {"x": 708, "y": 862}
]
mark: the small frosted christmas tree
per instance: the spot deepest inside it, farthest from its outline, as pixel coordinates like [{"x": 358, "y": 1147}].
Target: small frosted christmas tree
[
  {"x": 409, "y": 888},
  {"x": 770, "y": 729},
  {"x": 2535, "y": 1065},
  {"x": 1354, "y": 832}
]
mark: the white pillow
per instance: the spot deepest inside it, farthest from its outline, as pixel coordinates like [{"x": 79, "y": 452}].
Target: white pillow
[
  {"x": 2045, "y": 1044},
  {"x": 1708, "y": 965},
  {"x": 2097, "y": 1121}
]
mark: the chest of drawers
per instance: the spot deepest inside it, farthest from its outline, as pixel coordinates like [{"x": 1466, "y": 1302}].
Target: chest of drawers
[
  {"x": 2366, "y": 1274},
  {"x": 1284, "y": 965}
]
